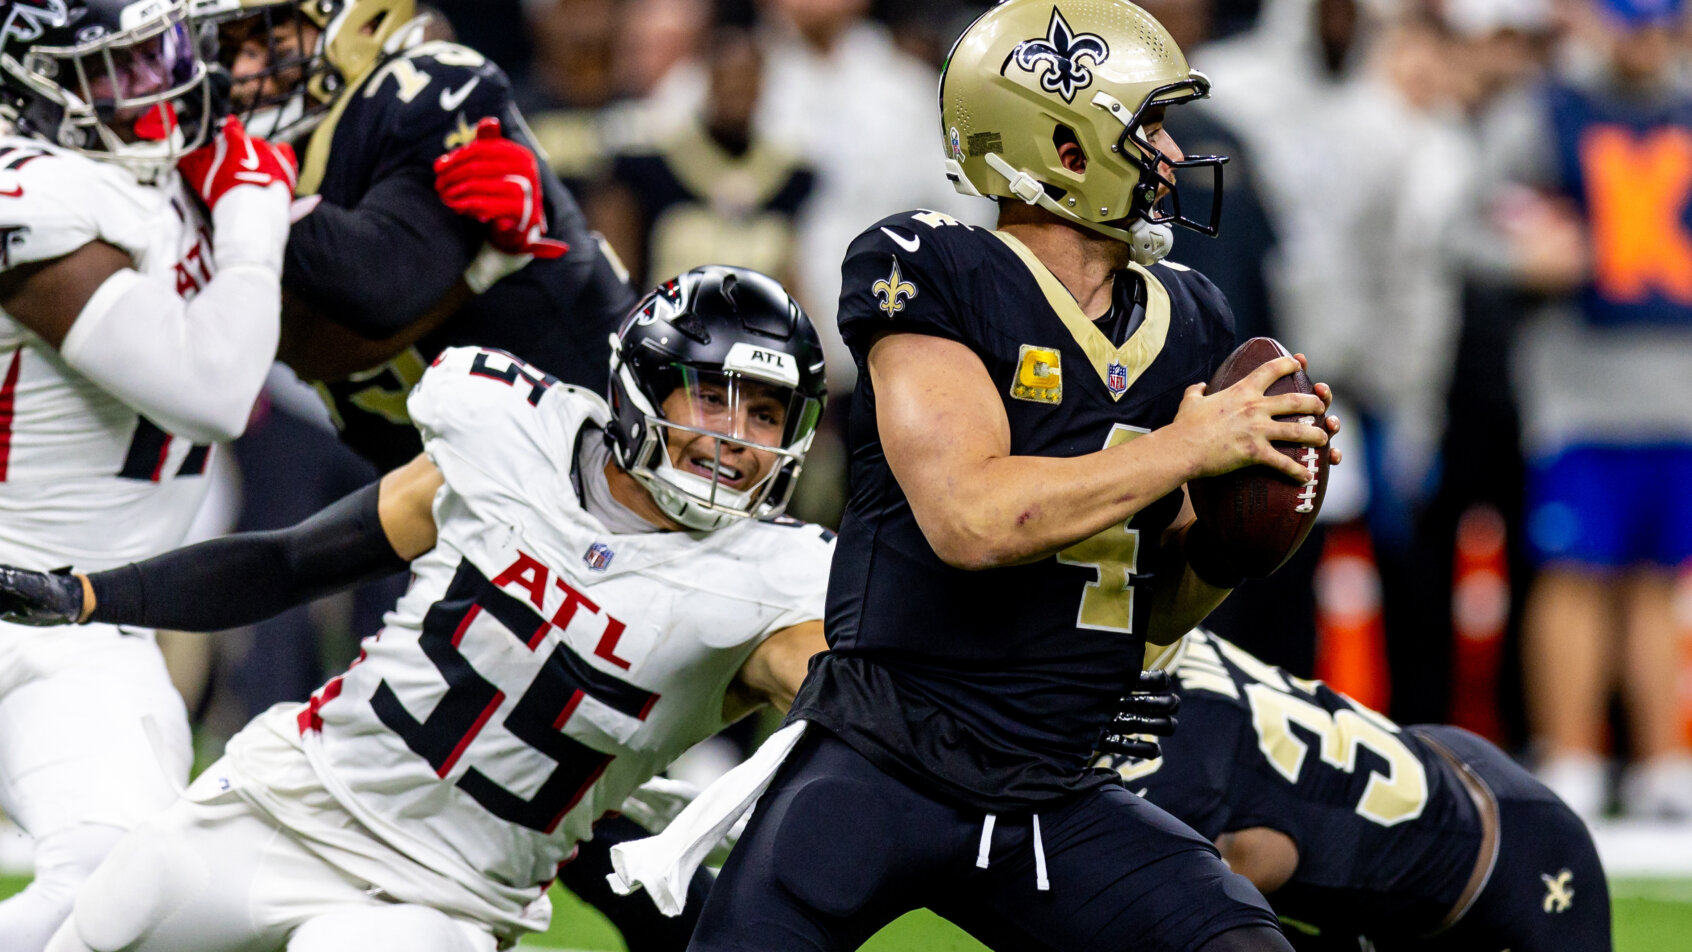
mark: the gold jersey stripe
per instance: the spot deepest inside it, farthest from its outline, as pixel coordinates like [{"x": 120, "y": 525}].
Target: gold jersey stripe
[{"x": 1135, "y": 354}]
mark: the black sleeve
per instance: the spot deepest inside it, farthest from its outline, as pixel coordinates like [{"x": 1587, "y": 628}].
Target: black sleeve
[
  {"x": 381, "y": 265},
  {"x": 246, "y": 578}
]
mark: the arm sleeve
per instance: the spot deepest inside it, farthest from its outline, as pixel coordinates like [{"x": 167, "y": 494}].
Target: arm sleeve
[
  {"x": 377, "y": 267},
  {"x": 338, "y": 548},
  {"x": 193, "y": 367}
]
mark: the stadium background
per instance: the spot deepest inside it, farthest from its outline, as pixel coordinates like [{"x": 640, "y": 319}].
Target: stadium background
[{"x": 1410, "y": 597}]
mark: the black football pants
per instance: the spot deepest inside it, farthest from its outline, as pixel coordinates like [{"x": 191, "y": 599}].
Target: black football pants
[{"x": 838, "y": 848}]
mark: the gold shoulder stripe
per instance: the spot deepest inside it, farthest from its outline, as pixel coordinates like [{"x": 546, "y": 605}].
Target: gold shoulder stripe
[
  {"x": 317, "y": 147},
  {"x": 1141, "y": 348}
]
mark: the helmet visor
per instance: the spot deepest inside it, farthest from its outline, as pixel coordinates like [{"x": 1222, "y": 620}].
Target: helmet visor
[
  {"x": 733, "y": 434},
  {"x": 121, "y": 75}
]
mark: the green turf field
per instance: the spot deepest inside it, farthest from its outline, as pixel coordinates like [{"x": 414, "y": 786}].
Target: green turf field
[{"x": 1651, "y": 915}]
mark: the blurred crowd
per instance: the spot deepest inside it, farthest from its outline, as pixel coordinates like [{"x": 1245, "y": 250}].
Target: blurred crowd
[{"x": 1474, "y": 217}]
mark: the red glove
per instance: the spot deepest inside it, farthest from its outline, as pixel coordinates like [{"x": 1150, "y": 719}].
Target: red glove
[
  {"x": 234, "y": 159},
  {"x": 497, "y": 181}
]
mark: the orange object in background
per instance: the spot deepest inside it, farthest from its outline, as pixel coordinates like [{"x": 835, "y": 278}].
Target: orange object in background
[
  {"x": 1480, "y": 610},
  {"x": 1350, "y": 632}
]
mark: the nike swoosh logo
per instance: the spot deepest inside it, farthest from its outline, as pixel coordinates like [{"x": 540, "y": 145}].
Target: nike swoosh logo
[
  {"x": 251, "y": 162},
  {"x": 451, "y": 99},
  {"x": 15, "y": 191},
  {"x": 909, "y": 244}
]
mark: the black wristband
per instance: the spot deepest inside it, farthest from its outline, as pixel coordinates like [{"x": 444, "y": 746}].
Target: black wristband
[{"x": 1208, "y": 558}]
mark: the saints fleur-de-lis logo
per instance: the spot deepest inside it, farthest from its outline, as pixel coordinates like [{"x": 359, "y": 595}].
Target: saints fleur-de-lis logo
[
  {"x": 26, "y": 20},
  {"x": 1058, "y": 57},
  {"x": 893, "y": 291},
  {"x": 1559, "y": 891}
]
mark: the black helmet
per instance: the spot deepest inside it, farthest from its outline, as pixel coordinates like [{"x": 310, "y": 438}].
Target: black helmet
[
  {"x": 120, "y": 80},
  {"x": 724, "y": 353}
]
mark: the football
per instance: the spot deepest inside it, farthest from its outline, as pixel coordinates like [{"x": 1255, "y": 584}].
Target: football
[{"x": 1259, "y": 513}]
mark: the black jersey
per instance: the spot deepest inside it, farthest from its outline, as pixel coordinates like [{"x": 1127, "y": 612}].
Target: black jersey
[
  {"x": 381, "y": 249},
  {"x": 1387, "y": 834},
  {"x": 699, "y": 203},
  {"x": 990, "y": 686}
]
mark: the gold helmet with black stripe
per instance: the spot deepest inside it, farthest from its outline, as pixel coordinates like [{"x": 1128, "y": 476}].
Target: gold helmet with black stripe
[
  {"x": 1029, "y": 75},
  {"x": 290, "y": 59}
]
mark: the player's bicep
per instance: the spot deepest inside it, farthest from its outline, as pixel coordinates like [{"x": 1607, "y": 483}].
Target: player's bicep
[
  {"x": 47, "y": 296},
  {"x": 938, "y": 415},
  {"x": 777, "y": 666},
  {"x": 405, "y": 506}
]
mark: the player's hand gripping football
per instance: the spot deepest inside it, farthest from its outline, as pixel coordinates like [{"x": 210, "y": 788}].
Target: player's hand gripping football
[
  {"x": 1142, "y": 714},
  {"x": 40, "y": 598},
  {"x": 1224, "y": 431},
  {"x": 497, "y": 181}
]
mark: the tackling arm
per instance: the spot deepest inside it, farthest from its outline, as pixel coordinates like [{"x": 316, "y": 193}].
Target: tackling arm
[
  {"x": 777, "y": 666},
  {"x": 947, "y": 440},
  {"x": 371, "y": 533}
]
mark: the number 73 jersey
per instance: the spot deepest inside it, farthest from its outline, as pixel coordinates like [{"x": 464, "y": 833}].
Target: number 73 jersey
[{"x": 541, "y": 667}]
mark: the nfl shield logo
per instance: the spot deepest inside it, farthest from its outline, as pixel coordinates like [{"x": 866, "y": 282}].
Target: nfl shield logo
[
  {"x": 1116, "y": 378},
  {"x": 598, "y": 556}
]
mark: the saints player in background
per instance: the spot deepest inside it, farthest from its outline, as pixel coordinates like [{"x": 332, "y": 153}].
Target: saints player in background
[
  {"x": 140, "y": 253},
  {"x": 1423, "y": 837},
  {"x": 1029, "y": 407},
  {"x": 381, "y": 275},
  {"x": 596, "y": 588}
]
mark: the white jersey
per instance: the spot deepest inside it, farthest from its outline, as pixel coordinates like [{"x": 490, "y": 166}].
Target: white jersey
[
  {"x": 540, "y": 667},
  {"x": 84, "y": 479}
]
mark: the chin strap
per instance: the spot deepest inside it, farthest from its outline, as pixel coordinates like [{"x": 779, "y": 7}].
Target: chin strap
[{"x": 1147, "y": 243}]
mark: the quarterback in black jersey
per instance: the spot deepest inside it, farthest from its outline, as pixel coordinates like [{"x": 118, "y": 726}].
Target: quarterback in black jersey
[
  {"x": 380, "y": 275},
  {"x": 1029, "y": 406},
  {"x": 1421, "y": 838}
]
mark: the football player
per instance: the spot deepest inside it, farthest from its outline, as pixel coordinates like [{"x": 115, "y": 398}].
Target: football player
[
  {"x": 380, "y": 275},
  {"x": 140, "y": 254},
  {"x": 596, "y": 588},
  {"x": 1423, "y": 837},
  {"x": 1030, "y": 408}
]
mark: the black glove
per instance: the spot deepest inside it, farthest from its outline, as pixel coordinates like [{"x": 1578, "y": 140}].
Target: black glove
[
  {"x": 1148, "y": 709},
  {"x": 39, "y": 598}
]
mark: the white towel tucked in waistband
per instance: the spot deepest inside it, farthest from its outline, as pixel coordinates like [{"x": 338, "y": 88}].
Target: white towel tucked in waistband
[{"x": 665, "y": 863}]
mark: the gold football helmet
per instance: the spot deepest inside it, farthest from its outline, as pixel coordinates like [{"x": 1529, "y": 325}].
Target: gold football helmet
[
  {"x": 316, "y": 49},
  {"x": 1028, "y": 75}
]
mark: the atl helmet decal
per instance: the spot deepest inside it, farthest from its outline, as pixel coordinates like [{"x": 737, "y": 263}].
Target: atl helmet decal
[
  {"x": 894, "y": 291},
  {"x": 1057, "y": 57},
  {"x": 26, "y": 20}
]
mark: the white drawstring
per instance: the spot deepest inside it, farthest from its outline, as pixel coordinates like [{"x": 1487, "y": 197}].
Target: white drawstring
[{"x": 1040, "y": 881}]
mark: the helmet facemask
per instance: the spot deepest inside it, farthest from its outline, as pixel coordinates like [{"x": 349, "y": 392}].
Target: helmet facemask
[
  {"x": 137, "y": 97},
  {"x": 275, "y": 100},
  {"x": 718, "y": 445},
  {"x": 309, "y": 53}
]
